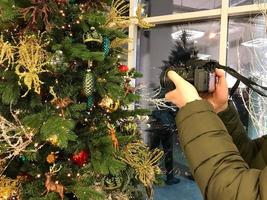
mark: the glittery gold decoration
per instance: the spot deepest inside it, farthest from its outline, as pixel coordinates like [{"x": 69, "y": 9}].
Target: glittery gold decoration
[
  {"x": 6, "y": 52},
  {"x": 109, "y": 104},
  {"x": 31, "y": 59},
  {"x": 118, "y": 42},
  {"x": 141, "y": 22},
  {"x": 9, "y": 188},
  {"x": 144, "y": 161},
  {"x": 115, "y": 17},
  {"x": 51, "y": 158}
]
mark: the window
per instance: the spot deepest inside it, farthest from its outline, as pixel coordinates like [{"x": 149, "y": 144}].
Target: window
[{"x": 163, "y": 7}]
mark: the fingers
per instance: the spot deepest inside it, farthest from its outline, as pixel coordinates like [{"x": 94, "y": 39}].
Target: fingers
[{"x": 221, "y": 78}]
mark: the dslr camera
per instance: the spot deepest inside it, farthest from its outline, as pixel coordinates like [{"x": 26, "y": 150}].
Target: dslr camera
[{"x": 200, "y": 73}]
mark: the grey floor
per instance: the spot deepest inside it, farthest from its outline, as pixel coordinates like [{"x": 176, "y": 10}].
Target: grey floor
[{"x": 185, "y": 190}]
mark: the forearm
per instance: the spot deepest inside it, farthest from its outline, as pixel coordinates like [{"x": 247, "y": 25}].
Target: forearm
[
  {"x": 214, "y": 160},
  {"x": 247, "y": 147}
]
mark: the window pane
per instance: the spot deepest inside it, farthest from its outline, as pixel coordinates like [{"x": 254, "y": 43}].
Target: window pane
[
  {"x": 165, "y": 7},
  {"x": 247, "y": 53},
  {"x": 245, "y": 2},
  {"x": 156, "y": 44}
]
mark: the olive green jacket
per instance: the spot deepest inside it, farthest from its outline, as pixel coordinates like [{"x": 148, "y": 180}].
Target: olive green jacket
[{"x": 223, "y": 170}]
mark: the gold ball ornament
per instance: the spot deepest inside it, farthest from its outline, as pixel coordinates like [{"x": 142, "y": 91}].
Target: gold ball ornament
[
  {"x": 51, "y": 158},
  {"x": 53, "y": 140},
  {"x": 109, "y": 105}
]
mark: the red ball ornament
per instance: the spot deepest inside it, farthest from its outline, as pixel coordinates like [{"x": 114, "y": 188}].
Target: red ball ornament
[
  {"x": 123, "y": 68},
  {"x": 80, "y": 158}
]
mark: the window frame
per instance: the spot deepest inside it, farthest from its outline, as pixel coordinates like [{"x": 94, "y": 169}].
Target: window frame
[{"x": 223, "y": 13}]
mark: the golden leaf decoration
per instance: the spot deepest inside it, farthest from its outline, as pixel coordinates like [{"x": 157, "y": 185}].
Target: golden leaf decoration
[
  {"x": 7, "y": 52},
  {"x": 115, "y": 17},
  {"x": 143, "y": 160},
  {"x": 118, "y": 42},
  {"x": 141, "y": 22},
  {"x": 32, "y": 58}
]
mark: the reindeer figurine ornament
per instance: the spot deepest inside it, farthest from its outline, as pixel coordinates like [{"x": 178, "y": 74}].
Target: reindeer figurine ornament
[{"x": 52, "y": 186}]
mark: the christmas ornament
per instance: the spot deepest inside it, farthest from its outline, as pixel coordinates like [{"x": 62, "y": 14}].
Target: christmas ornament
[
  {"x": 32, "y": 57},
  {"x": 141, "y": 22},
  {"x": 80, "y": 158},
  {"x": 9, "y": 188},
  {"x": 114, "y": 139},
  {"x": 6, "y": 52},
  {"x": 53, "y": 139},
  {"x": 88, "y": 83},
  {"x": 52, "y": 186},
  {"x": 106, "y": 46},
  {"x": 123, "y": 68},
  {"x": 109, "y": 105},
  {"x": 59, "y": 103},
  {"x": 57, "y": 58},
  {"x": 118, "y": 42},
  {"x": 92, "y": 36},
  {"x": 72, "y": 1},
  {"x": 117, "y": 16},
  {"x": 51, "y": 158},
  {"x": 23, "y": 158},
  {"x": 90, "y": 101},
  {"x": 127, "y": 87},
  {"x": 40, "y": 10},
  {"x": 144, "y": 161},
  {"x": 111, "y": 182},
  {"x": 129, "y": 128}
]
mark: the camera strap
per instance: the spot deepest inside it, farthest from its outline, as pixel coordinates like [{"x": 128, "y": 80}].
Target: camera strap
[{"x": 246, "y": 81}]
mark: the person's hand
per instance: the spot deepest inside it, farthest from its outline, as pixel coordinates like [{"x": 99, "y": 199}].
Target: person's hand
[
  {"x": 184, "y": 93},
  {"x": 219, "y": 98}
]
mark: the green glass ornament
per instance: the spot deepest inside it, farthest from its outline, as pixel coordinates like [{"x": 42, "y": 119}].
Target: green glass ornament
[
  {"x": 106, "y": 46},
  {"x": 72, "y": 1},
  {"x": 89, "y": 83},
  {"x": 90, "y": 101}
]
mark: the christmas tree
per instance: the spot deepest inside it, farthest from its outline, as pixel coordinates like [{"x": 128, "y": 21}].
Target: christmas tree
[{"x": 66, "y": 128}]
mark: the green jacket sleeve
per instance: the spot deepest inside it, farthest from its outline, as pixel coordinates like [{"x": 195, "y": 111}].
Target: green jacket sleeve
[
  {"x": 214, "y": 160},
  {"x": 248, "y": 148}
]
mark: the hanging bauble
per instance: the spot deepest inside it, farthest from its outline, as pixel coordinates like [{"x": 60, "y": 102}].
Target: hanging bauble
[
  {"x": 90, "y": 101},
  {"x": 109, "y": 105},
  {"x": 23, "y": 158},
  {"x": 88, "y": 83},
  {"x": 80, "y": 158},
  {"x": 53, "y": 139},
  {"x": 111, "y": 182},
  {"x": 123, "y": 68},
  {"x": 92, "y": 36},
  {"x": 72, "y": 1},
  {"x": 106, "y": 45},
  {"x": 51, "y": 158}
]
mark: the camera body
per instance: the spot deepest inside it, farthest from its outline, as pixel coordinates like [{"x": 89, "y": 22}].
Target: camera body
[{"x": 200, "y": 73}]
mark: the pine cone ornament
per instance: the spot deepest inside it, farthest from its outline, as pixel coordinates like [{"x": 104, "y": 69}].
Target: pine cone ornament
[{"x": 88, "y": 83}]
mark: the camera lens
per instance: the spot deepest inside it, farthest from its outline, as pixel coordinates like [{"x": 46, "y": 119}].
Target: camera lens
[{"x": 165, "y": 82}]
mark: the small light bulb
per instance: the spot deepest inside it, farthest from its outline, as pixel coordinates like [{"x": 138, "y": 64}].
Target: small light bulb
[{"x": 38, "y": 175}]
